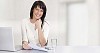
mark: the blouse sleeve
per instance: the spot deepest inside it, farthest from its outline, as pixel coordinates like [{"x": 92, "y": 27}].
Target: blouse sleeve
[
  {"x": 24, "y": 30},
  {"x": 46, "y": 30}
]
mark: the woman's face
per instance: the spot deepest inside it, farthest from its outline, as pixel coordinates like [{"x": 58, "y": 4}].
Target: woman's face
[{"x": 37, "y": 12}]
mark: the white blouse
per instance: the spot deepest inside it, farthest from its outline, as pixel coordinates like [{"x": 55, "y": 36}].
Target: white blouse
[{"x": 29, "y": 34}]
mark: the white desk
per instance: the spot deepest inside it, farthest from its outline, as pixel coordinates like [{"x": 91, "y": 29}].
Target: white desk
[
  {"x": 77, "y": 49},
  {"x": 65, "y": 49},
  {"x": 28, "y": 51}
]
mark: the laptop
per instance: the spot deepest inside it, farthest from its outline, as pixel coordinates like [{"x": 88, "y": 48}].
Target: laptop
[{"x": 7, "y": 40}]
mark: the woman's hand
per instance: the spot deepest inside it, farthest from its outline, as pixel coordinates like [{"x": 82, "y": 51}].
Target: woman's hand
[
  {"x": 25, "y": 45},
  {"x": 38, "y": 23}
]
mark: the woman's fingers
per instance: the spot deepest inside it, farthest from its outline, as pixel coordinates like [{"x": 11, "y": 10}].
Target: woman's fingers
[
  {"x": 38, "y": 23},
  {"x": 26, "y": 46},
  {"x": 25, "y": 43}
]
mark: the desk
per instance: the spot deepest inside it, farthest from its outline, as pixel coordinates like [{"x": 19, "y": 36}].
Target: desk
[
  {"x": 77, "y": 49},
  {"x": 64, "y": 49},
  {"x": 28, "y": 51}
]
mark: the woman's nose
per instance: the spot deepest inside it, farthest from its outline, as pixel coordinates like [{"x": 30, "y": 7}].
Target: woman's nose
[{"x": 39, "y": 12}]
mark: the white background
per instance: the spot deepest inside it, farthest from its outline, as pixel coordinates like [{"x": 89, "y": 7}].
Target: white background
[{"x": 72, "y": 22}]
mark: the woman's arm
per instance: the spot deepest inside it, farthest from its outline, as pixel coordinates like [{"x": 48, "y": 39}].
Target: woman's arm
[
  {"x": 24, "y": 36},
  {"x": 24, "y": 33},
  {"x": 42, "y": 36}
]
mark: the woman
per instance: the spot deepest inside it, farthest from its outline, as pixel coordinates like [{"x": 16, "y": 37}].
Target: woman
[{"x": 35, "y": 29}]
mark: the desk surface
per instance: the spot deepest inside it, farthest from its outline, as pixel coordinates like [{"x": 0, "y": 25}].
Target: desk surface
[
  {"x": 28, "y": 51},
  {"x": 64, "y": 49}
]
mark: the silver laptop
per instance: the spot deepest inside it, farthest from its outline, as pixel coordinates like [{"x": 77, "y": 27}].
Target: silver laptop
[{"x": 7, "y": 40}]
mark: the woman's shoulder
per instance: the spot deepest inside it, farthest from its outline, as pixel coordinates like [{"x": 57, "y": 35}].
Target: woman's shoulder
[
  {"x": 46, "y": 25},
  {"x": 25, "y": 20},
  {"x": 46, "y": 22}
]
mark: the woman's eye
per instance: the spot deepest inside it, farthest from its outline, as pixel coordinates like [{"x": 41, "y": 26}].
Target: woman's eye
[
  {"x": 41, "y": 10},
  {"x": 36, "y": 9}
]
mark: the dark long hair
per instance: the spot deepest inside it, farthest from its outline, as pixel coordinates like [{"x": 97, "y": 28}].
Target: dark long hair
[{"x": 42, "y": 6}]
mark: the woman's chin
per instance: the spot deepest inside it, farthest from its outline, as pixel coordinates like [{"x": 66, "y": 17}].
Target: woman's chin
[{"x": 37, "y": 18}]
